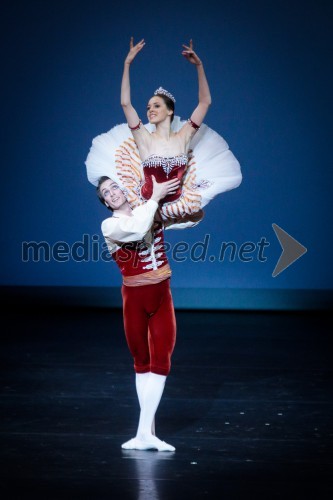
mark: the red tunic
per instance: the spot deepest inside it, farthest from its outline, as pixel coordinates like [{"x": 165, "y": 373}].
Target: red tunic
[{"x": 138, "y": 257}]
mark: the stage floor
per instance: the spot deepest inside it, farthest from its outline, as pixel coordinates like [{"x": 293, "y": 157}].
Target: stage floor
[{"x": 248, "y": 406}]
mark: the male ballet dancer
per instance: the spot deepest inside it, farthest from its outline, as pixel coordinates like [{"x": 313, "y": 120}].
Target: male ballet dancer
[{"x": 135, "y": 241}]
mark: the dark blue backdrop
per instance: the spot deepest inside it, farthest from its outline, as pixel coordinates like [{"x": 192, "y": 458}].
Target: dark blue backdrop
[{"x": 269, "y": 68}]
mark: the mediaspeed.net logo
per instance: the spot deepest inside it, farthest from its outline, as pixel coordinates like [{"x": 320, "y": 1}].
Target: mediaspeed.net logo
[
  {"x": 92, "y": 248},
  {"x": 292, "y": 250}
]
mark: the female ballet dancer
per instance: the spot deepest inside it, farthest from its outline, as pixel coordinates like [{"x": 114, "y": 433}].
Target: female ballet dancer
[{"x": 167, "y": 147}]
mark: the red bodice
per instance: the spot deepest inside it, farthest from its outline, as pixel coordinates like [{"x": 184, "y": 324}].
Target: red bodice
[{"x": 163, "y": 169}]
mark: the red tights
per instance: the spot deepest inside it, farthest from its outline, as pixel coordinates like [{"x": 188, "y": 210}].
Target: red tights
[{"x": 150, "y": 326}]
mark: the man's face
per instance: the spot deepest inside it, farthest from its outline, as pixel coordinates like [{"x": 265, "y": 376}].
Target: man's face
[{"x": 112, "y": 194}]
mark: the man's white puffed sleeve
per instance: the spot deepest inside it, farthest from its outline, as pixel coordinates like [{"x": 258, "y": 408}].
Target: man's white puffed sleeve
[{"x": 130, "y": 228}]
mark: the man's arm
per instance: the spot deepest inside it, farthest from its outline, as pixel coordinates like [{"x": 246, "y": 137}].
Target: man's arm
[
  {"x": 130, "y": 228},
  {"x": 134, "y": 227}
]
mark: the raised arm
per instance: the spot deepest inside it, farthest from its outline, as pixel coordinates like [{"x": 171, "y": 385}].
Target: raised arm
[
  {"x": 125, "y": 97},
  {"x": 205, "y": 99},
  {"x": 139, "y": 132}
]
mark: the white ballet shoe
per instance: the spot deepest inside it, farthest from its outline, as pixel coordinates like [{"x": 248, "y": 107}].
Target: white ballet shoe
[
  {"x": 129, "y": 445},
  {"x": 152, "y": 443}
]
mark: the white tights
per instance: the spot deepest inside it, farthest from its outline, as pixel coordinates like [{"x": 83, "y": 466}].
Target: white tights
[
  {"x": 149, "y": 388},
  {"x": 141, "y": 380}
]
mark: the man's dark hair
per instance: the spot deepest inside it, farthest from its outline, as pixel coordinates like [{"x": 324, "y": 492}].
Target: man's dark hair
[{"x": 99, "y": 194}]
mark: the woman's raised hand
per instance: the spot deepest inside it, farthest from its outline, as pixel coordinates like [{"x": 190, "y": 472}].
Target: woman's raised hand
[
  {"x": 190, "y": 55},
  {"x": 134, "y": 49}
]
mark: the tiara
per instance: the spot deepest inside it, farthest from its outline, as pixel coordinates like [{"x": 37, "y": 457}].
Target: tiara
[{"x": 162, "y": 91}]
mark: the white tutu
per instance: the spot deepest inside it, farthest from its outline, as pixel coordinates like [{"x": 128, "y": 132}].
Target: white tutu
[{"x": 212, "y": 168}]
